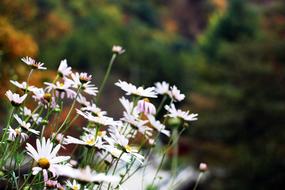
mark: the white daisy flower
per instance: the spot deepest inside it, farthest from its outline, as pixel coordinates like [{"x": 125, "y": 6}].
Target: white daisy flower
[
  {"x": 31, "y": 62},
  {"x": 24, "y": 86},
  {"x": 138, "y": 124},
  {"x": 118, "y": 49},
  {"x": 125, "y": 149},
  {"x": 177, "y": 113},
  {"x": 73, "y": 185},
  {"x": 175, "y": 94},
  {"x": 53, "y": 184},
  {"x": 61, "y": 89},
  {"x": 58, "y": 137},
  {"x": 64, "y": 70},
  {"x": 83, "y": 101},
  {"x": 86, "y": 175},
  {"x": 129, "y": 107},
  {"x": 15, "y": 99},
  {"x": 25, "y": 125},
  {"x": 102, "y": 120},
  {"x": 45, "y": 157},
  {"x": 157, "y": 125},
  {"x": 162, "y": 87},
  {"x": 132, "y": 89},
  {"x": 84, "y": 78},
  {"x": 95, "y": 110},
  {"x": 84, "y": 81},
  {"x": 87, "y": 139},
  {"x": 144, "y": 106},
  {"x": 13, "y": 133},
  {"x": 35, "y": 117},
  {"x": 41, "y": 96},
  {"x": 44, "y": 98}
]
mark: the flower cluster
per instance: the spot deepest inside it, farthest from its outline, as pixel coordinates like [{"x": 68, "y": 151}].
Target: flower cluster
[{"x": 92, "y": 155}]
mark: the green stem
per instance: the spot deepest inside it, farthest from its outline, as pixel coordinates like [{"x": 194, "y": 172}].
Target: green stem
[
  {"x": 29, "y": 76},
  {"x": 68, "y": 115},
  {"x": 171, "y": 142},
  {"x": 161, "y": 104},
  {"x": 175, "y": 156},
  {"x": 127, "y": 171},
  {"x": 115, "y": 167},
  {"x": 26, "y": 180},
  {"x": 159, "y": 167},
  {"x": 106, "y": 76},
  {"x": 8, "y": 124},
  {"x": 198, "y": 180}
]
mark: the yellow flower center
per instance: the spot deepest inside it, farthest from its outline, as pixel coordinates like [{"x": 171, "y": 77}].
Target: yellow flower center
[
  {"x": 43, "y": 163},
  {"x": 90, "y": 141},
  {"x": 47, "y": 97},
  {"x": 100, "y": 133},
  {"x": 146, "y": 100},
  {"x": 35, "y": 65},
  {"x": 128, "y": 148},
  {"x": 75, "y": 187},
  {"x": 18, "y": 131},
  {"x": 83, "y": 79}
]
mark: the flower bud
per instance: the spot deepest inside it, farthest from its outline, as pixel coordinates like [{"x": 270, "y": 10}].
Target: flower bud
[
  {"x": 203, "y": 167},
  {"x": 118, "y": 49},
  {"x": 144, "y": 106},
  {"x": 174, "y": 121},
  {"x": 44, "y": 122},
  {"x": 57, "y": 110}
]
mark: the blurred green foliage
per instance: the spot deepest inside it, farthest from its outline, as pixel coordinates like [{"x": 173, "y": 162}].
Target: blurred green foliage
[{"x": 241, "y": 70}]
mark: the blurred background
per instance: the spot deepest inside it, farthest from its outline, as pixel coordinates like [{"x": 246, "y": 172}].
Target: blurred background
[{"x": 228, "y": 56}]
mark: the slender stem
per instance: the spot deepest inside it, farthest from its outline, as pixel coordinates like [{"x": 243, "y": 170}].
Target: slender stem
[
  {"x": 8, "y": 123},
  {"x": 175, "y": 156},
  {"x": 29, "y": 76},
  {"x": 106, "y": 76},
  {"x": 171, "y": 142},
  {"x": 26, "y": 180},
  {"x": 115, "y": 167},
  {"x": 161, "y": 104},
  {"x": 128, "y": 169},
  {"x": 198, "y": 180},
  {"x": 129, "y": 176},
  {"x": 36, "y": 109},
  {"x": 68, "y": 115},
  {"x": 159, "y": 167},
  {"x": 55, "y": 79}
]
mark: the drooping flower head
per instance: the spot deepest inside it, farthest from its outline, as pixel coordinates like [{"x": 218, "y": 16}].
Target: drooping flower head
[
  {"x": 15, "y": 99},
  {"x": 175, "y": 94},
  {"x": 177, "y": 113},
  {"x": 83, "y": 81},
  {"x": 118, "y": 49},
  {"x": 131, "y": 89},
  {"x": 64, "y": 70},
  {"x": 25, "y": 125},
  {"x": 84, "y": 77},
  {"x": 144, "y": 106},
  {"x": 24, "y": 86},
  {"x": 61, "y": 88},
  {"x": 44, "y": 98},
  {"x": 32, "y": 63},
  {"x": 162, "y": 87},
  {"x": 86, "y": 175},
  {"x": 13, "y": 133},
  {"x": 157, "y": 125}
]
